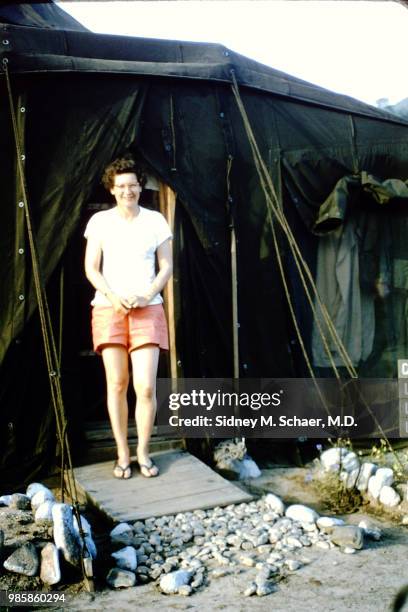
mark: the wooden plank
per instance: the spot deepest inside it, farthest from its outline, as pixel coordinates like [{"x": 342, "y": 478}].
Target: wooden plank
[{"x": 185, "y": 483}]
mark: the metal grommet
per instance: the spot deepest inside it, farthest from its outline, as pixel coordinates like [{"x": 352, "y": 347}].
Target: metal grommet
[
  {"x": 221, "y": 115},
  {"x": 6, "y": 42},
  {"x": 5, "y": 60},
  {"x": 22, "y": 109},
  {"x": 22, "y": 157},
  {"x": 20, "y": 251},
  {"x": 21, "y": 204},
  {"x": 21, "y": 297},
  {"x": 226, "y": 53},
  {"x": 52, "y": 373}
]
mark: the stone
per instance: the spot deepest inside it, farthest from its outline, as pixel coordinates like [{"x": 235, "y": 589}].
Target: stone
[
  {"x": 331, "y": 458},
  {"x": 20, "y": 501},
  {"x": 41, "y": 496},
  {"x": 5, "y": 500},
  {"x": 374, "y": 487},
  {"x": 185, "y": 589},
  {"x": 264, "y": 589},
  {"x": 119, "y": 578},
  {"x": 122, "y": 534},
  {"x": 50, "y": 572},
  {"x": 34, "y": 487},
  {"x": 348, "y": 550},
  {"x": 24, "y": 560},
  {"x": 250, "y": 590},
  {"x": 366, "y": 471},
  {"x": 301, "y": 513},
  {"x": 219, "y": 572},
  {"x": 44, "y": 511},
  {"x": 327, "y": 522},
  {"x": 323, "y": 545},
  {"x": 65, "y": 536},
  {"x": 275, "y": 503},
  {"x": 347, "y": 536},
  {"x": 247, "y": 561},
  {"x": 385, "y": 476},
  {"x": 389, "y": 497},
  {"x": 352, "y": 478},
  {"x": 170, "y": 583},
  {"x": 370, "y": 530},
  {"x": 86, "y": 528},
  {"x": 248, "y": 469},
  {"x": 293, "y": 564},
  {"x": 126, "y": 558},
  {"x": 350, "y": 462}
]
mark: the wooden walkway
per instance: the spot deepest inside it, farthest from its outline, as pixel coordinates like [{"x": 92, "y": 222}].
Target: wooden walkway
[{"x": 185, "y": 483}]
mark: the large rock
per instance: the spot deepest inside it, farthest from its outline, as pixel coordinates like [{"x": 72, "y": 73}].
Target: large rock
[
  {"x": 122, "y": 534},
  {"x": 50, "y": 567},
  {"x": 44, "y": 511},
  {"x": 347, "y": 536},
  {"x": 170, "y": 583},
  {"x": 41, "y": 496},
  {"x": 332, "y": 458},
  {"x": 350, "y": 462},
  {"x": 366, "y": 471},
  {"x": 327, "y": 523},
  {"x": 118, "y": 578},
  {"x": 385, "y": 476},
  {"x": 5, "y": 500},
  {"x": 19, "y": 501},
  {"x": 389, "y": 497},
  {"x": 275, "y": 503},
  {"x": 65, "y": 536},
  {"x": 126, "y": 558},
  {"x": 34, "y": 487},
  {"x": 301, "y": 513},
  {"x": 24, "y": 560}
]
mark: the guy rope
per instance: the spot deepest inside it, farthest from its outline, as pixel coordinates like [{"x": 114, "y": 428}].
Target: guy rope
[{"x": 51, "y": 354}]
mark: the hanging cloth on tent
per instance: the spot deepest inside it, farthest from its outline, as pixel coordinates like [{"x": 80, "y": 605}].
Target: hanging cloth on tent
[{"x": 354, "y": 262}]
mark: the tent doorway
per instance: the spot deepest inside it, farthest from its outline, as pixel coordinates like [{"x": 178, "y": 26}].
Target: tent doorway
[{"x": 82, "y": 371}]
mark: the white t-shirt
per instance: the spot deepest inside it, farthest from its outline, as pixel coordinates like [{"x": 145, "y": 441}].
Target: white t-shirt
[{"x": 128, "y": 248}]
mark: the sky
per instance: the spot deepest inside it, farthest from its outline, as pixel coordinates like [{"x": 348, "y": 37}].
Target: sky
[{"x": 358, "y": 48}]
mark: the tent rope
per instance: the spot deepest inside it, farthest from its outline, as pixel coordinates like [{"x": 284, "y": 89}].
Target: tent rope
[
  {"x": 47, "y": 333},
  {"x": 273, "y": 206}
]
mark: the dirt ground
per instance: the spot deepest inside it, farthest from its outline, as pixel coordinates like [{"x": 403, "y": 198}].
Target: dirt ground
[{"x": 330, "y": 581}]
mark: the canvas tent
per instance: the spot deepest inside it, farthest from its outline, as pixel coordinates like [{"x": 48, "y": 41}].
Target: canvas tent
[{"x": 81, "y": 99}]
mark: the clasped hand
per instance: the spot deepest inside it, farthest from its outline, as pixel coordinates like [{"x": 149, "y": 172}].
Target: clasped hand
[{"x": 123, "y": 305}]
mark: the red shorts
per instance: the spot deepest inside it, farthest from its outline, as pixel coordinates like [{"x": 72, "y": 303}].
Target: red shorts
[{"x": 134, "y": 329}]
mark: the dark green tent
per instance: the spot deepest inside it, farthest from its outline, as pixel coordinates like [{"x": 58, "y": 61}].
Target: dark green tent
[{"x": 81, "y": 99}]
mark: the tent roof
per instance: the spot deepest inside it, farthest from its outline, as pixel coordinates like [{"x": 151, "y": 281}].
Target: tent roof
[
  {"x": 42, "y": 40},
  {"x": 41, "y": 14}
]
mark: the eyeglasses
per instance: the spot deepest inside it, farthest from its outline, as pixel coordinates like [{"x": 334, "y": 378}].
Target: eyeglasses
[{"x": 132, "y": 186}]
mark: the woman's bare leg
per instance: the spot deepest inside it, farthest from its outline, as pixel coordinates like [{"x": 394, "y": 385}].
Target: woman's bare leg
[
  {"x": 144, "y": 366},
  {"x": 116, "y": 362}
]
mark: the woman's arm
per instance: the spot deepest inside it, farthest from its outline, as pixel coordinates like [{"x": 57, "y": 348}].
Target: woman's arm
[
  {"x": 93, "y": 255},
  {"x": 165, "y": 260}
]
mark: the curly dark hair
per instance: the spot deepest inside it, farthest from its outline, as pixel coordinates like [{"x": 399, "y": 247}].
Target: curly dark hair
[{"x": 122, "y": 165}]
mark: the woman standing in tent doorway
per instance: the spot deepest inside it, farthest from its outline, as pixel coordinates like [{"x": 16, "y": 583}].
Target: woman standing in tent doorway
[{"x": 128, "y": 316}]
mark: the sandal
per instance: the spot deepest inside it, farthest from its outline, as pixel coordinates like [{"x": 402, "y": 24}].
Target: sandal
[
  {"x": 123, "y": 473},
  {"x": 148, "y": 468}
]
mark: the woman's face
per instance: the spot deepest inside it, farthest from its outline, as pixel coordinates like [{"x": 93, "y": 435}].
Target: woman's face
[{"x": 126, "y": 189}]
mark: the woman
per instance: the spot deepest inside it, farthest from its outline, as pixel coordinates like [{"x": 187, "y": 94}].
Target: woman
[{"x": 128, "y": 316}]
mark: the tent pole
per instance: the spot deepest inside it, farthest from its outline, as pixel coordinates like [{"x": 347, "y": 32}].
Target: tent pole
[
  {"x": 167, "y": 201},
  {"x": 234, "y": 288}
]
